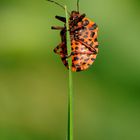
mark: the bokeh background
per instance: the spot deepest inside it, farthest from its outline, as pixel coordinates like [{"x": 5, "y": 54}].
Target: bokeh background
[{"x": 34, "y": 82}]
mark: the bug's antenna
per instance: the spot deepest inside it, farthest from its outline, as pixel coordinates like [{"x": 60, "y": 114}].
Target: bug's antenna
[
  {"x": 58, "y": 4},
  {"x": 78, "y": 5}
]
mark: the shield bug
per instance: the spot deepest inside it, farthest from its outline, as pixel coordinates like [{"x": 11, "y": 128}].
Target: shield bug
[{"x": 83, "y": 36}]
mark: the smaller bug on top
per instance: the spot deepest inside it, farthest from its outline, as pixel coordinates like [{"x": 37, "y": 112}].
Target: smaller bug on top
[{"x": 83, "y": 37}]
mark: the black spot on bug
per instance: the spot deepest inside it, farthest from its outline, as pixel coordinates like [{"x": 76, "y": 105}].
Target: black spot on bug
[
  {"x": 76, "y": 58},
  {"x": 94, "y": 26},
  {"x": 84, "y": 63},
  {"x": 92, "y": 34},
  {"x": 76, "y": 48},
  {"x": 85, "y": 22},
  {"x": 86, "y": 33},
  {"x": 92, "y": 59},
  {"x": 95, "y": 40},
  {"x": 76, "y": 43},
  {"x": 78, "y": 69},
  {"x": 85, "y": 36}
]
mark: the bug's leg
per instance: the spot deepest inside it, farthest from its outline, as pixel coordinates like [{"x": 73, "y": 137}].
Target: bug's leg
[
  {"x": 61, "y": 50},
  {"x": 78, "y": 52},
  {"x": 57, "y": 49},
  {"x": 76, "y": 28},
  {"x": 57, "y": 28},
  {"x": 63, "y": 19},
  {"x": 88, "y": 46}
]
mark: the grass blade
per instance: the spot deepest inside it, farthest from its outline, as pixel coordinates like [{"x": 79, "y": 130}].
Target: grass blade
[{"x": 70, "y": 93}]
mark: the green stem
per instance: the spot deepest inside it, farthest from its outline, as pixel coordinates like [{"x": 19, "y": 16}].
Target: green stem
[{"x": 70, "y": 94}]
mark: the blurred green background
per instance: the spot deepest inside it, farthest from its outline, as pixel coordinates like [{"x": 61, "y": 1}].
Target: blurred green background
[{"x": 34, "y": 82}]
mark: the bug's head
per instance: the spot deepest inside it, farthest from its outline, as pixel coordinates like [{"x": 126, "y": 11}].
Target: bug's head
[{"x": 74, "y": 15}]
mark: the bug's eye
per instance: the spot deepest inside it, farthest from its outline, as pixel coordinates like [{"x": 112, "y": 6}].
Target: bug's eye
[{"x": 76, "y": 16}]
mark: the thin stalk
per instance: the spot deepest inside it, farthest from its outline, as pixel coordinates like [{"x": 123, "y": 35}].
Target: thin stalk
[{"x": 70, "y": 93}]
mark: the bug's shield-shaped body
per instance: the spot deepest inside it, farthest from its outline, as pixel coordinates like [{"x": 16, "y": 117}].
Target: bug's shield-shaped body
[{"x": 84, "y": 44}]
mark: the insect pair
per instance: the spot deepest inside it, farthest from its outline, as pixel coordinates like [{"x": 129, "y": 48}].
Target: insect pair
[{"x": 83, "y": 37}]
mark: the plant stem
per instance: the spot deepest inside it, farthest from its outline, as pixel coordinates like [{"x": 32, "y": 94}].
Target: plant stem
[{"x": 70, "y": 93}]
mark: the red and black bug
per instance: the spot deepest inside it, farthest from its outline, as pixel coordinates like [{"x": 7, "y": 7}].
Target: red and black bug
[{"x": 83, "y": 35}]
